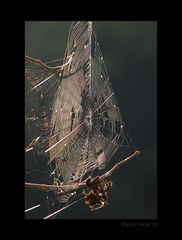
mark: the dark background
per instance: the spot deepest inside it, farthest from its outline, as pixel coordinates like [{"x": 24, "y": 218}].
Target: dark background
[{"x": 130, "y": 52}]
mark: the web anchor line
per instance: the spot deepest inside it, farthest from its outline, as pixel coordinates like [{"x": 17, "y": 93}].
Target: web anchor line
[
  {"x": 64, "y": 137},
  {"x": 36, "y": 86},
  {"x": 103, "y": 102},
  {"x": 30, "y": 209},
  {"x": 60, "y": 210}
]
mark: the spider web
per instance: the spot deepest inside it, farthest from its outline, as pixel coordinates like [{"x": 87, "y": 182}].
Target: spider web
[
  {"x": 88, "y": 128},
  {"x": 81, "y": 127},
  {"x": 39, "y": 82}
]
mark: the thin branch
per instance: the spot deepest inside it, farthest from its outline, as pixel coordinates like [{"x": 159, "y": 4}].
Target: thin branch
[
  {"x": 54, "y": 187},
  {"x": 82, "y": 184},
  {"x": 39, "y": 62},
  {"x": 119, "y": 164}
]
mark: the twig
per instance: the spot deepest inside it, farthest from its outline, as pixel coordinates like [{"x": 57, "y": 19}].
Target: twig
[
  {"x": 82, "y": 184},
  {"x": 39, "y": 62}
]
